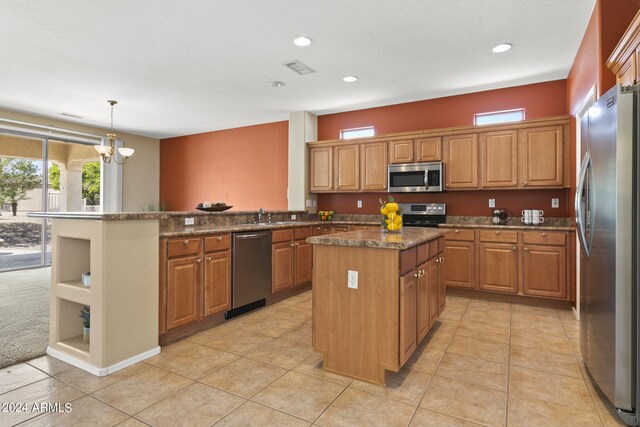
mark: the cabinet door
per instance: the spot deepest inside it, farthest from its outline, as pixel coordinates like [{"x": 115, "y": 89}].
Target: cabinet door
[
  {"x": 434, "y": 303},
  {"x": 627, "y": 74},
  {"x": 543, "y": 157},
  {"x": 423, "y": 314},
  {"x": 461, "y": 161},
  {"x": 303, "y": 262},
  {"x": 184, "y": 300},
  {"x": 408, "y": 320},
  {"x": 347, "y": 168},
  {"x": 217, "y": 282},
  {"x": 321, "y": 169},
  {"x": 442, "y": 288},
  {"x": 282, "y": 266},
  {"x": 459, "y": 270},
  {"x": 401, "y": 151},
  {"x": 499, "y": 159},
  {"x": 374, "y": 166},
  {"x": 428, "y": 149},
  {"x": 498, "y": 267},
  {"x": 545, "y": 271}
]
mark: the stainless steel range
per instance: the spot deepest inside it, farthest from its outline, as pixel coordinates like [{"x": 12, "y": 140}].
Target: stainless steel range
[{"x": 423, "y": 214}]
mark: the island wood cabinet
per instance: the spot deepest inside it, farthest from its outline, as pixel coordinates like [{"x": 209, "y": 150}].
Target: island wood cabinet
[
  {"x": 195, "y": 279},
  {"x": 529, "y": 263},
  {"x": 291, "y": 258}
]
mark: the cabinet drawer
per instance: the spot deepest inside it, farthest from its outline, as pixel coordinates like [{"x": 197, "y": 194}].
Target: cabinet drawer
[
  {"x": 217, "y": 243},
  {"x": 302, "y": 233},
  {"x": 282, "y": 235},
  {"x": 339, "y": 228},
  {"x": 544, "y": 238},
  {"x": 364, "y": 227},
  {"x": 459, "y": 234},
  {"x": 186, "y": 246},
  {"x": 423, "y": 253},
  {"x": 499, "y": 236}
]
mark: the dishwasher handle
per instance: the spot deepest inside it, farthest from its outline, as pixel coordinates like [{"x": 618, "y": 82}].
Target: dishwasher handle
[{"x": 251, "y": 236}]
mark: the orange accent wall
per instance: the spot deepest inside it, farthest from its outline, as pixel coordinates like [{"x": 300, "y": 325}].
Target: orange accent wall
[
  {"x": 245, "y": 167},
  {"x": 539, "y": 100},
  {"x": 458, "y": 202}
]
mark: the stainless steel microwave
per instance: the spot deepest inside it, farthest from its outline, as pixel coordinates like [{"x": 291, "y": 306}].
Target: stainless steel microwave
[{"x": 416, "y": 177}]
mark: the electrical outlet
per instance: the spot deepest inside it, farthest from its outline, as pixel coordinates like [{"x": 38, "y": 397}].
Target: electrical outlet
[
  {"x": 189, "y": 221},
  {"x": 360, "y": 203},
  {"x": 555, "y": 203},
  {"x": 492, "y": 203},
  {"x": 294, "y": 217},
  {"x": 309, "y": 203},
  {"x": 352, "y": 280}
]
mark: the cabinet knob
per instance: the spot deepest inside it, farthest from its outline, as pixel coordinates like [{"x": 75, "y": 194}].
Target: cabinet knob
[
  {"x": 297, "y": 244},
  {"x": 416, "y": 275},
  {"x": 209, "y": 258},
  {"x": 441, "y": 259},
  {"x": 526, "y": 249},
  {"x": 456, "y": 231},
  {"x": 186, "y": 242},
  {"x": 423, "y": 272},
  {"x": 292, "y": 245},
  {"x": 219, "y": 238},
  {"x": 544, "y": 234},
  {"x": 437, "y": 260},
  {"x": 513, "y": 247},
  {"x": 199, "y": 260},
  {"x": 497, "y": 232}
]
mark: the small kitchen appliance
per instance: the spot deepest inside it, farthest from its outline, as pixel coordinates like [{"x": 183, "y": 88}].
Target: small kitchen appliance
[{"x": 501, "y": 216}]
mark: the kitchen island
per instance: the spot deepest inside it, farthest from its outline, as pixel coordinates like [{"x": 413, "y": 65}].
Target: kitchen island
[{"x": 375, "y": 297}]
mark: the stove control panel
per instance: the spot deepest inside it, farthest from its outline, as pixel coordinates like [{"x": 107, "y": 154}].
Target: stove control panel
[{"x": 423, "y": 208}]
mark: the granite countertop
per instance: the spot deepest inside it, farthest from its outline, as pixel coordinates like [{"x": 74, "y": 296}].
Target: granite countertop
[
  {"x": 551, "y": 224},
  {"x": 408, "y": 238},
  {"x": 99, "y": 216},
  {"x": 235, "y": 228}
]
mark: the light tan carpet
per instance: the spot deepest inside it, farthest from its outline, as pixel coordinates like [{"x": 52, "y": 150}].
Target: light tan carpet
[{"x": 24, "y": 314}]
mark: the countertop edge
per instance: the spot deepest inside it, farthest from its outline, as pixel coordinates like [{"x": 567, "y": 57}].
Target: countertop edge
[
  {"x": 236, "y": 228},
  {"x": 510, "y": 227}
]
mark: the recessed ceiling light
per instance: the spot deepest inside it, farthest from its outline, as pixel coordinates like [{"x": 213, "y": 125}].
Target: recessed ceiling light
[
  {"x": 503, "y": 47},
  {"x": 350, "y": 79},
  {"x": 276, "y": 83},
  {"x": 302, "y": 41}
]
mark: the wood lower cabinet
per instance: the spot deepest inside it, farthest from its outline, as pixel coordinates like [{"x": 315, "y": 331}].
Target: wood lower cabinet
[
  {"x": 184, "y": 288},
  {"x": 408, "y": 315},
  {"x": 461, "y": 158},
  {"x": 461, "y": 259},
  {"x": 498, "y": 267},
  {"x": 373, "y": 170},
  {"x": 545, "y": 273},
  {"x": 291, "y": 258},
  {"x": 217, "y": 282}
]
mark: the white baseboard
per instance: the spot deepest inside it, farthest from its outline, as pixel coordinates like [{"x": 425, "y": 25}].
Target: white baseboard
[{"x": 101, "y": 372}]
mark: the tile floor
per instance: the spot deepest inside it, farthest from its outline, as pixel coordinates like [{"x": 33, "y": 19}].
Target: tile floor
[{"x": 483, "y": 363}]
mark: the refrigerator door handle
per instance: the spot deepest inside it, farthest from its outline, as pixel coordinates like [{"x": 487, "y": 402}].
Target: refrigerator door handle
[{"x": 586, "y": 164}]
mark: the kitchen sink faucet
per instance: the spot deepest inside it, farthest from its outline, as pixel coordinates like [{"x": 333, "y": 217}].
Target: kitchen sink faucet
[{"x": 260, "y": 213}]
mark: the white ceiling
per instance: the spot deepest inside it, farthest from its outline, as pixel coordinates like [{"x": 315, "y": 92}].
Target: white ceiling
[{"x": 190, "y": 66}]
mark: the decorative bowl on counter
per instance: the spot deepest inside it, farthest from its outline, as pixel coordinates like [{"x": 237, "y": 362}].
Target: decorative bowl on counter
[
  {"x": 325, "y": 215},
  {"x": 213, "y": 207}
]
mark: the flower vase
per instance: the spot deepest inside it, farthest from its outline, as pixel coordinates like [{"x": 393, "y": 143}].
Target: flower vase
[{"x": 86, "y": 334}]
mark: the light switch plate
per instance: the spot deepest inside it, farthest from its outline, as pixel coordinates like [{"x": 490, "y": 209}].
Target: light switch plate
[
  {"x": 555, "y": 203},
  {"x": 352, "y": 279},
  {"x": 360, "y": 203},
  {"x": 492, "y": 203},
  {"x": 189, "y": 221},
  {"x": 294, "y": 216}
]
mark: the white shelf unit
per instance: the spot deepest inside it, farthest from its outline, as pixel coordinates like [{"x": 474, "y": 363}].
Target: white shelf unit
[{"x": 122, "y": 257}]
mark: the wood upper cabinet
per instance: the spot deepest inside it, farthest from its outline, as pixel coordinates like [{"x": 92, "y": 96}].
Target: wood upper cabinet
[
  {"x": 184, "y": 301},
  {"x": 498, "y": 267},
  {"x": 461, "y": 161},
  {"x": 428, "y": 149},
  {"x": 408, "y": 315},
  {"x": 347, "y": 167},
  {"x": 321, "y": 169},
  {"x": 217, "y": 282},
  {"x": 499, "y": 159},
  {"x": 624, "y": 57},
  {"x": 401, "y": 151},
  {"x": 543, "y": 156},
  {"x": 423, "y": 314},
  {"x": 282, "y": 266},
  {"x": 628, "y": 74},
  {"x": 373, "y": 170}
]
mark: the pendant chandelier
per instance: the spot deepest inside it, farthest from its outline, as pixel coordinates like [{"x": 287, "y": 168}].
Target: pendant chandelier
[{"x": 107, "y": 151}]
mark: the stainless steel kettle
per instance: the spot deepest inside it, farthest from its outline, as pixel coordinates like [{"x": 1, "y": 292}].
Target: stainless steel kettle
[{"x": 501, "y": 216}]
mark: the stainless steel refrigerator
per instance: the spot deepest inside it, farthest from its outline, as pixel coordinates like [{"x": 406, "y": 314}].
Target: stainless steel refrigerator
[{"x": 607, "y": 208}]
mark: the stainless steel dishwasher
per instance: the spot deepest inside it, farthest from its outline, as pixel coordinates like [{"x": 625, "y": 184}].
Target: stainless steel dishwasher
[{"x": 251, "y": 271}]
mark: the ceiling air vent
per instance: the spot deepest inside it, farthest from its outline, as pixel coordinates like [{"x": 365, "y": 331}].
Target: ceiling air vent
[{"x": 298, "y": 67}]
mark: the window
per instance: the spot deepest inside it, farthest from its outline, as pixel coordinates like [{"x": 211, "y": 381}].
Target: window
[
  {"x": 499, "y": 117},
  {"x": 357, "y": 132}
]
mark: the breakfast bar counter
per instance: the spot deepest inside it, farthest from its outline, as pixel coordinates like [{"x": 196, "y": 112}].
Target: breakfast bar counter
[{"x": 375, "y": 297}]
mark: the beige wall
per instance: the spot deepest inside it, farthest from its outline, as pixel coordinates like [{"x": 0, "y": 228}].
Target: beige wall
[{"x": 141, "y": 173}]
